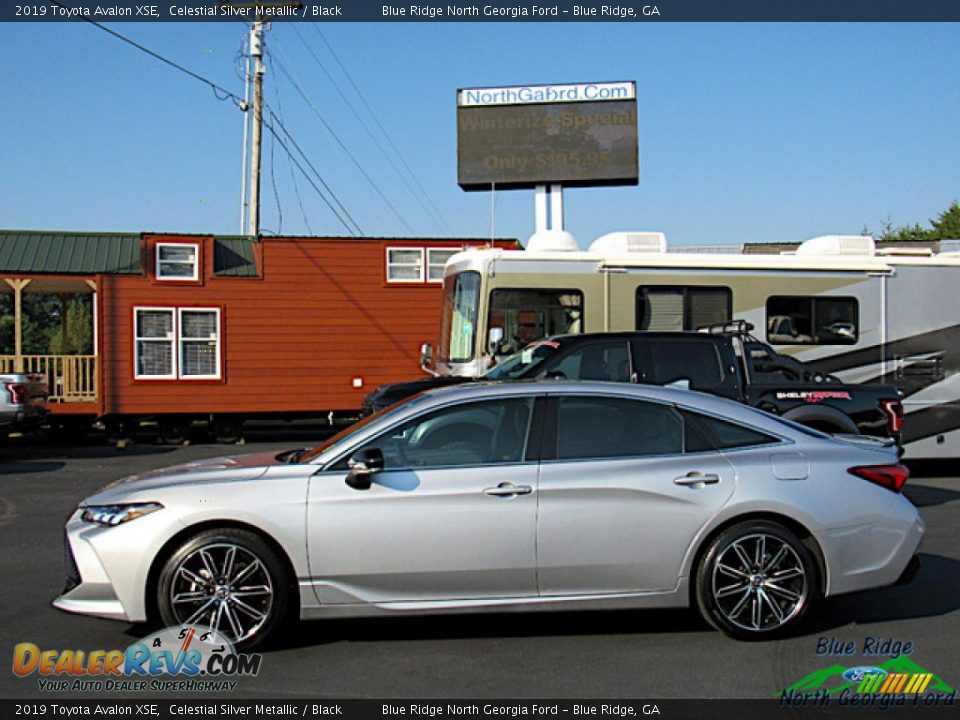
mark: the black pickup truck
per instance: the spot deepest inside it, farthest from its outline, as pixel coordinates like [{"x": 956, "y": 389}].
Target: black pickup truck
[{"x": 722, "y": 360}]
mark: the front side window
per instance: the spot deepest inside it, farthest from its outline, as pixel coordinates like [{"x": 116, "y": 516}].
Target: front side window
[
  {"x": 528, "y": 315},
  {"x": 404, "y": 264},
  {"x": 458, "y": 316},
  {"x": 597, "y": 428},
  {"x": 177, "y": 261},
  {"x": 480, "y": 433},
  {"x": 177, "y": 343},
  {"x": 674, "y": 307},
  {"x": 806, "y": 320}
]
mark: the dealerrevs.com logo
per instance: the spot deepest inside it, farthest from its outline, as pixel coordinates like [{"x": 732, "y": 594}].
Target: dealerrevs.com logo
[{"x": 178, "y": 659}]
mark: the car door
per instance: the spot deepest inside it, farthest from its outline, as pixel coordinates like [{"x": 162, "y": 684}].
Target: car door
[
  {"x": 451, "y": 516},
  {"x": 620, "y": 501}
]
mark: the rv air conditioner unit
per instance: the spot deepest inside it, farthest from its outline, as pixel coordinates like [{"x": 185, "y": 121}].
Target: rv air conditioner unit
[
  {"x": 838, "y": 245},
  {"x": 552, "y": 241},
  {"x": 618, "y": 243}
]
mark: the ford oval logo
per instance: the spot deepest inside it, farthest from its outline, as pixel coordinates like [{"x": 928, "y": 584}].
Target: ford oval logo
[{"x": 856, "y": 674}]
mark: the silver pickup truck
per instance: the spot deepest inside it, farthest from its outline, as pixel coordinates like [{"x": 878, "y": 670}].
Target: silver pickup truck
[{"x": 22, "y": 398}]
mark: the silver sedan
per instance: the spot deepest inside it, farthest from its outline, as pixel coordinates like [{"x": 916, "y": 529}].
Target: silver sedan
[{"x": 518, "y": 497}]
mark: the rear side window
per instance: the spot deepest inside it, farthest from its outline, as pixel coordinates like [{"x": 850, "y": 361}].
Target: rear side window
[
  {"x": 591, "y": 427},
  {"x": 595, "y": 361},
  {"x": 667, "y": 361},
  {"x": 706, "y": 434}
]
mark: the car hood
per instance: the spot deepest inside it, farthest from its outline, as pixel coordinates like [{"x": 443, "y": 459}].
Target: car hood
[
  {"x": 219, "y": 469},
  {"x": 392, "y": 392}
]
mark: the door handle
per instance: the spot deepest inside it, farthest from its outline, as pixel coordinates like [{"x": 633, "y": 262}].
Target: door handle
[
  {"x": 508, "y": 489},
  {"x": 697, "y": 478}
]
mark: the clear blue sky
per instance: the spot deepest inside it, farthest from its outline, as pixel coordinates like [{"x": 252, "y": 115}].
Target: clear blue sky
[{"x": 748, "y": 133}]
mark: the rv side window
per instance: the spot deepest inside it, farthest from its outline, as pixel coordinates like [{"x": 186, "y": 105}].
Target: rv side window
[
  {"x": 528, "y": 315},
  {"x": 674, "y": 307},
  {"x": 806, "y": 320}
]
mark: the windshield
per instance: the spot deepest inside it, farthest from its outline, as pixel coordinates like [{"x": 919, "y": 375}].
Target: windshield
[
  {"x": 458, "y": 316},
  {"x": 308, "y": 455},
  {"x": 523, "y": 362}
]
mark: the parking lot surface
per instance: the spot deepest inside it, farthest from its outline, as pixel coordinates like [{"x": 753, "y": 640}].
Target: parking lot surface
[{"x": 650, "y": 654}]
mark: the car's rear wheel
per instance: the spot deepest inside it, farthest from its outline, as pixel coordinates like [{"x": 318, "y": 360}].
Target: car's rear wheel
[
  {"x": 229, "y": 580},
  {"x": 757, "y": 580}
]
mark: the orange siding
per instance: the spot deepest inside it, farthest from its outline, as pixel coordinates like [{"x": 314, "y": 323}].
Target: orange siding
[{"x": 292, "y": 340}]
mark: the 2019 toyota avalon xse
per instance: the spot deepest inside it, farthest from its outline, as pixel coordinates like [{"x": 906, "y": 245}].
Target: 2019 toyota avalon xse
[{"x": 506, "y": 497}]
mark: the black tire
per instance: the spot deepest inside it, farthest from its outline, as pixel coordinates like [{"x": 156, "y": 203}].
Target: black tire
[
  {"x": 227, "y": 430},
  {"x": 173, "y": 430},
  {"x": 751, "y": 600},
  {"x": 258, "y": 608}
]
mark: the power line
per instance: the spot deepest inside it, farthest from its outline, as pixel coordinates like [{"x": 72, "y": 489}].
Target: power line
[
  {"x": 344, "y": 148},
  {"x": 217, "y": 90},
  {"x": 270, "y": 127},
  {"x": 343, "y": 209},
  {"x": 293, "y": 175},
  {"x": 436, "y": 217}
]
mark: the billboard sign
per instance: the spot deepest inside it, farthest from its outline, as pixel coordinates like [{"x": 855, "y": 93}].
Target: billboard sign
[{"x": 574, "y": 135}]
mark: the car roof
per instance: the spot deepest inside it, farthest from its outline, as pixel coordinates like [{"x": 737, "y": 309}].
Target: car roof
[{"x": 627, "y": 335}]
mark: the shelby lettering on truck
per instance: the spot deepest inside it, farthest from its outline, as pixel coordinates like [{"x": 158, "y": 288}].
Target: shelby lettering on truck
[{"x": 179, "y": 651}]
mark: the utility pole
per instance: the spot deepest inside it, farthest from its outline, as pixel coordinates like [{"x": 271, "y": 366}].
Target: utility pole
[
  {"x": 262, "y": 10},
  {"x": 256, "y": 51}
]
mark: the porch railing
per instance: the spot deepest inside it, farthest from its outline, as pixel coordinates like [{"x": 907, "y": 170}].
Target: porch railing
[{"x": 70, "y": 378}]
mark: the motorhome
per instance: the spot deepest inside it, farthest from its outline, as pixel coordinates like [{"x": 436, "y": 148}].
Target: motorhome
[{"x": 865, "y": 314}]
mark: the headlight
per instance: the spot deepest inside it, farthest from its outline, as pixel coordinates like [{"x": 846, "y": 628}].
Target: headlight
[{"x": 110, "y": 515}]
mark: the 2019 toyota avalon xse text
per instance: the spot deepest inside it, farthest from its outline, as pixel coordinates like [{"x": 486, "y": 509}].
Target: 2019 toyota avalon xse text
[{"x": 506, "y": 497}]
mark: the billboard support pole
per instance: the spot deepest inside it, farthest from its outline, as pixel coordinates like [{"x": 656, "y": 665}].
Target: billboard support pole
[{"x": 548, "y": 207}]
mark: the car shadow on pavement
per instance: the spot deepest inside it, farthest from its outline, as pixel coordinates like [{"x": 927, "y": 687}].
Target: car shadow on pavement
[
  {"x": 925, "y": 495},
  {"x": 493, "y": 625},
  {"x": 935, "y": 591},
  {"x": 17, "y": 467},
  {"x": 27, "y": 456}
]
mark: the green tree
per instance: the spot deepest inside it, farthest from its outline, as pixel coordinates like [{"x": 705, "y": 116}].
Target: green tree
[
  {"x": 79, "y": 339},
  {"x": 947, "y": 226}
]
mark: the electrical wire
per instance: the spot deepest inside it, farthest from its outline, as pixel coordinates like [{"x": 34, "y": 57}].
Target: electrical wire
[
  {"x": 343, "y": 147},
  {"x": 293, "y": 175},
  {"x": 319, "y": 192},
  {"x": 436, "y": 218},
  {"x": 437, "y": 214},
  {"x": 277, "y": 121},
  {"x": 217, "y": 90}
]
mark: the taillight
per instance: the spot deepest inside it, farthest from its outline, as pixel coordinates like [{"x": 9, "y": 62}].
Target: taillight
[
  {"x": 892, "y": 477},
  {"x": 894, "y": 413},
  {"x": 17, "y": 391}
]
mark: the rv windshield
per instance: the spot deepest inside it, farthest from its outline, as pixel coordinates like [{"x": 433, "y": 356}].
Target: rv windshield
[
  {"x": 458, "y": 316},
  {"x": 519, "y": 364}
]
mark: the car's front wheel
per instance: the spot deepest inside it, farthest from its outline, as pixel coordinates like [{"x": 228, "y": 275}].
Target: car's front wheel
[
  {"x": 757, "y": 580},
  {"x": 229, "y": 580}
]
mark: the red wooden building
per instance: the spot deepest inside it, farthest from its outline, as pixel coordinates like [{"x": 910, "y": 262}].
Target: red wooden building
[{"x": 224, "y": 328}]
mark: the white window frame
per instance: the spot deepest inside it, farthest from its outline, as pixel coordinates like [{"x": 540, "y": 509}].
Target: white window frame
[
  {"x": 181, "y": 341},
  {"x": 420, "y": 265},
  {"x": 430, "y": 262},
  {"x": 177, "y": 341},
  {"x": 182, "y": 278},
  {"x": 171, "y": 340}
]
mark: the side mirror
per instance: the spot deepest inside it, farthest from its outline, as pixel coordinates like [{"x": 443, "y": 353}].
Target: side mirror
[
  {"x": 426, "y": 358},
  {"x": 362, "y": 466},
  {"x": 494, "y": 338}
]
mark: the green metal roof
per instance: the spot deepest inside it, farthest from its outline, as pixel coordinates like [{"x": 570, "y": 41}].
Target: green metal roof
[
  {"x": 69, "y": 253},
  {"x": 233, "y": 256}
]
